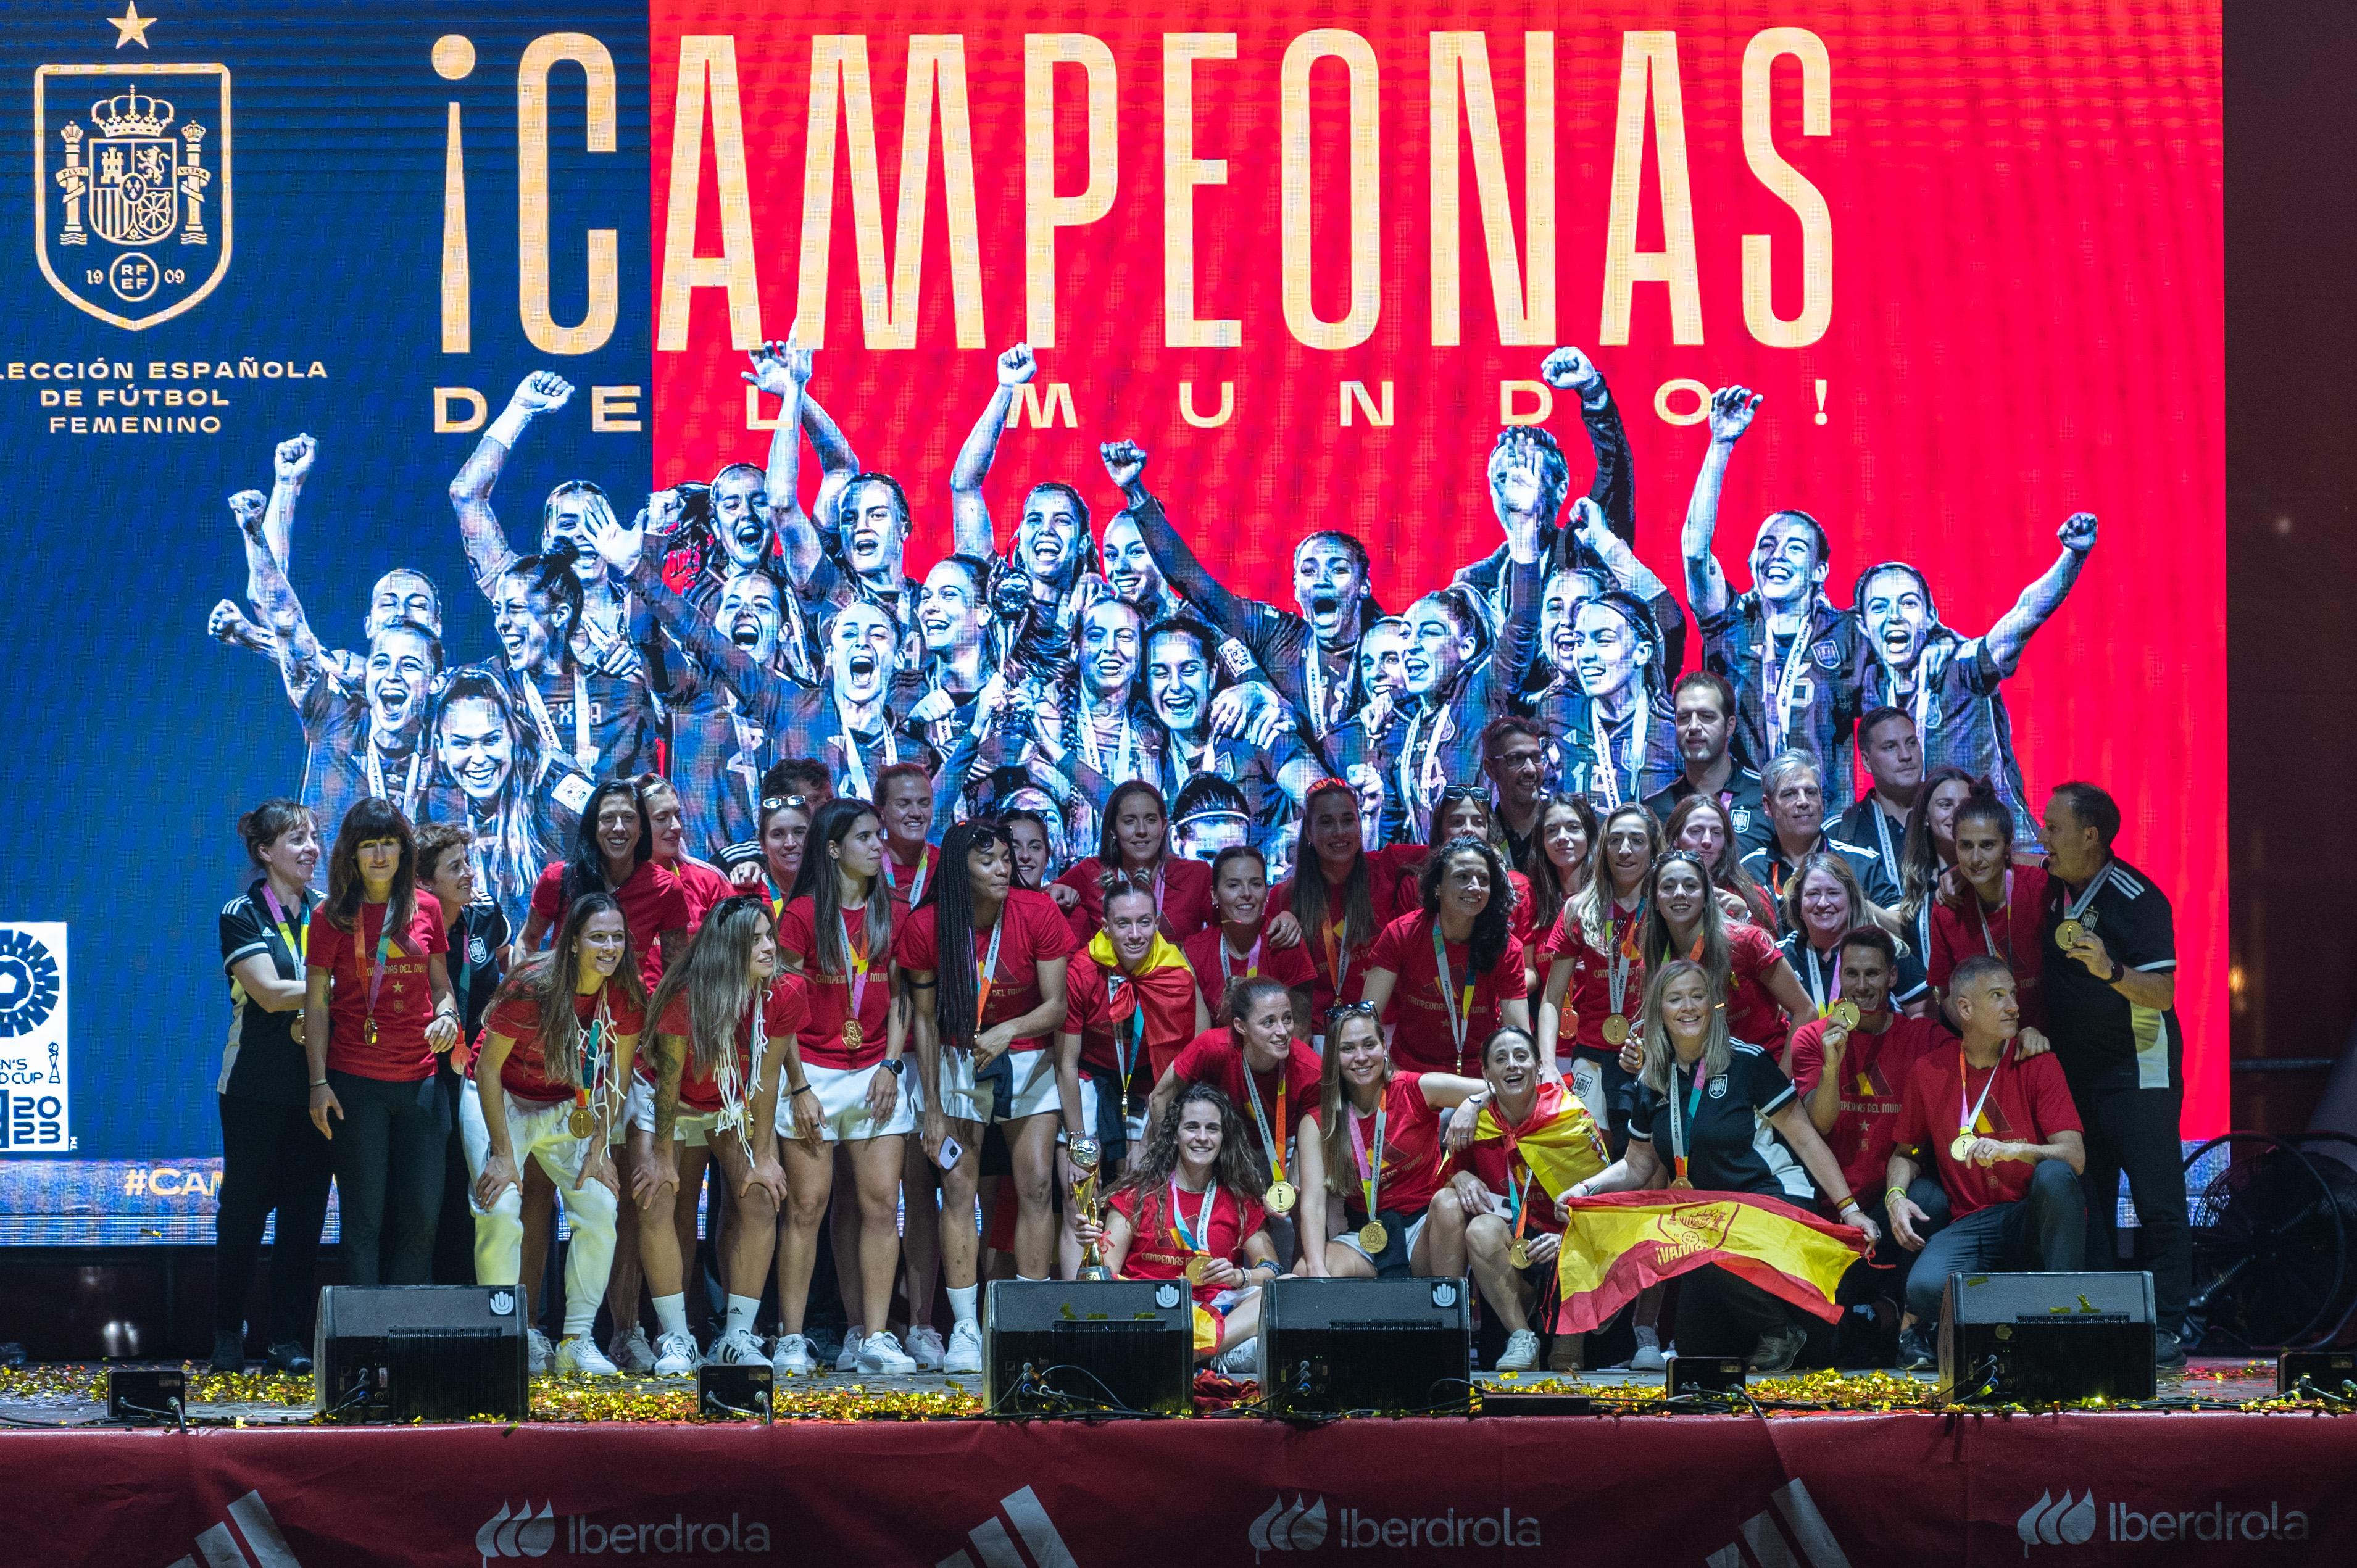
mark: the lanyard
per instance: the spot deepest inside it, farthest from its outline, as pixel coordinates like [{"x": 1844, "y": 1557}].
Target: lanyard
[
  {"x": 1251, "y": 959},
  {"x": 1882, "y": 836},
  {"x": 986, "y": 973},
  {"x": 1927, "y": 675},
  {"x": 1124, "y": 752},
  {"x": 2077, "y": 909},
  {"x": 1776, "y": 713},
  {"x": 1313, "y": 682},
  {"x": 1371, "y": 1173},
  {"x": 589, "y": 1075},
  {"x": 384, "y": 949},
  {"x": 1460, "y": 1014},
  {"x": 855, "y": 958},
  {"x": 1608, "y": 778},
  {"x": 1972, "y": 1113},
  {"x": 853, "y": 761},
  {"x": 374, "y": 762},
  {"x": 295, "y": 935},
  {"x": 1338, "y": 960},
  {"x": 1620, "y": 958},
  {"x": 1197, "y": 1239},
  {"x": 458, "y": 985},
  {"x": 1817, "y": 978},
  {"x": 1988, "y": 939},
  {"x": 1677, "y": 1131},
  {"x": 1126, "y": 1058},
  {"x": 1420, "y": 784},
  {"x": 916, "y": 883},
  {"x": 583, "y": 752},
  {"x": 1272, "y": 1142}
]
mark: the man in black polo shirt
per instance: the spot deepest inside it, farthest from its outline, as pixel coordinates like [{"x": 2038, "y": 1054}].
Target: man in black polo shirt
[
  {"x": 1893, "y": 754},
  {"x": 1795, "y": 791},
  {"x": 2110, "y": 946},
  {"x": 1705, "y": 706}
]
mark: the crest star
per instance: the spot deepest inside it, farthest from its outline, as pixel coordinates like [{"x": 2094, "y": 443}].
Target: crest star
[{"x": 131, "y": 26}]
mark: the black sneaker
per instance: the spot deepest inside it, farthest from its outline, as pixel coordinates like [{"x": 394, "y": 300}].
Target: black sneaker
[
  {"x": 2168, "y": 1350},
  {"x": 1916, "y": 1351},
  {"x": 228, "y": 1351},
  {"x": 289, "y": 1358}
]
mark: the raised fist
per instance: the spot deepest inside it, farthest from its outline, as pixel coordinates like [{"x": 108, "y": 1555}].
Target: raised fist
[
  {"x": 543, "y": 392},
  {"x": 1016, "y": 366},
  {"x": 247, "y": 507},
  {"x": 2078, "y": 531},
  {"x": 293, "y": 460},
  {"x": 1568, "y": 370},
  {"x": 1124, "y": 462}
]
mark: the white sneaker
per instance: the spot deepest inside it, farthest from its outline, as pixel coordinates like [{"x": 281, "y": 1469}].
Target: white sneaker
[
  {"x": 540, "y": 1353},
  {"x": 1520, "y": 1354},
  {"x": 632, "y": 1352},
  {"x": 849, "y": 1361},
  {"x": 794, "y": 1356},
  {"x": 880, "y": 1357},
  {"x": 578, "y": 1356},
  {"x": 964, "y": 1354},
  {"x": 1649, "y": 1358},
  {"x": 736, "y": 1347},
  {"x": 675, "y": 1355},
  {"x": 925, "y": 1345},
  {"x": 1239, "y": 1361}
]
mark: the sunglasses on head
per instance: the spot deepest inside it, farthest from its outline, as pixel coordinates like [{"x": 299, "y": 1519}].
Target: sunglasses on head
[
  {"x": 1341, "y": 1010},
  {"x": 789, "y": 802},
  {"x": 1466, "y": 792}
]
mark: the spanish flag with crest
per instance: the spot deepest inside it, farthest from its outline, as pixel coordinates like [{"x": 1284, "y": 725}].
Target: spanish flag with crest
[
  {"x": 1558, "y": 1143},
  {"x": 1164, "y": 985},
  {"x": 1619, "y": 1242}
]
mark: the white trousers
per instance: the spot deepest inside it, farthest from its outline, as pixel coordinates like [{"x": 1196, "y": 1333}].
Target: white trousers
[{"x": 539, "y": 1133}]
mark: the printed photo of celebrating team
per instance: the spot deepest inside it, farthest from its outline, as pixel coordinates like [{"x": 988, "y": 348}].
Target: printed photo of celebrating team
[{"x": 1052, "y": 909}]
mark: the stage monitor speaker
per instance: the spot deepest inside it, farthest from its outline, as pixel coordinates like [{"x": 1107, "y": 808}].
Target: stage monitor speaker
[
  {"x": 1088, "y": 1348},
  {"x": 139, "y": 1394},
  {"x": 1332, "y": 1347},
  {"x": 1712, "y": 1375},
  {"x": 745, "y": 1390},
  {"x": 2326, "y": 1372},
  {"x": 396, "y": 1353},
  {"x": 2046, "y": 1339}
]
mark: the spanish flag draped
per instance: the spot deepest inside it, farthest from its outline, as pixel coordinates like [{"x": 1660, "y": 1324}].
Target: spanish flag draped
[
  {"x": 1620, "y": 1242},
  {"x": 1164, "y": 985},
  {"x": 1558, "y": 1143}
]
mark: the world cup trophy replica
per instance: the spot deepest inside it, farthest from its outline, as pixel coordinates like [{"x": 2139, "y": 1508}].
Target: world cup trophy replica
[{"x": 1084, "y": 1156}]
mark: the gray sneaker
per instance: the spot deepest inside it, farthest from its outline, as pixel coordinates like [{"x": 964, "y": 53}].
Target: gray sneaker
[{"x": 1777, "y": 1352}]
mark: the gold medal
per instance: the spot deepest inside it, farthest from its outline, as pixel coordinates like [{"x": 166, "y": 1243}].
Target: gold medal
[
  {"x": 1845, "y": 1013},
  {"x": 1279, "y": 1197},
  {"x": 1961, "y": 1147},
  {"x": 580, "y": 1124},
  {"x": 371, "y": 1031},
  {"x": 1197, "y": 1267},
  {"x": 1616, "y": 1030},
  {"x": 1374, "y": 1236},
  {"x": 1519, "y": 1254},
  {"x": 2068, "y": 935},
  {"x": 851, "y": 1035},
  {"x": 1680, "y": 1184}
]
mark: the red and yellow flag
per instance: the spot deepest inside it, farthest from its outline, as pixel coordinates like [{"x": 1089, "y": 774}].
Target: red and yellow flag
[
  {"x": 1559, "y": 1143},
  {"x": 1617, "y": 1244},
  {"x": 1164, "y": 985}
]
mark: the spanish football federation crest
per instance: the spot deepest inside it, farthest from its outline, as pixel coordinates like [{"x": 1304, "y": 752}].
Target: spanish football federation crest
[{"x": 133, "y": 193}]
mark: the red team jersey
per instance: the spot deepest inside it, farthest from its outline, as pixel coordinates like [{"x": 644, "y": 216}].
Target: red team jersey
[
  {"x": 2010, "y": 934},
  {"x": 1414, "y": 1163},
  {"x": 703, "y": 884},
  {"x": 910, "y": 883},
  {"x": 2030, "y": 1103},
  {"x": 1036, "y": 933},
  {"x": 1207, "y": 954},
  {"x": 785, "y": 1007},
  {"x": 1387, "y": 868},
  {"x": 820, "y": 1037},
  {"x": 1875, "y": 1069},
  {"x": 1156, "y": 1253},
  {"x": 1423, "y": 1040},
  {"x": 404, "y": 1002},
  {"x": 524, "y": 1075},
  {"x": 652, "y": 902},
  {"x": 1589, "y": 997},
  {"x": 1215, "y": 1058}
]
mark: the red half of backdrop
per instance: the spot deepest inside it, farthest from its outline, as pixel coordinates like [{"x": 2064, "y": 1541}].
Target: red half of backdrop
[{"x": 2019, "y": 282}]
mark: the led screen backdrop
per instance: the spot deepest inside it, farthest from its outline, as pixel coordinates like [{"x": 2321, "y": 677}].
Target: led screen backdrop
[{"x": 1312, "y": 260}]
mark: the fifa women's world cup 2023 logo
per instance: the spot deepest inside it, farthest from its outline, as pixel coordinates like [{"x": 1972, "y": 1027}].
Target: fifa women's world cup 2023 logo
[{"x": 135, "y": 212}]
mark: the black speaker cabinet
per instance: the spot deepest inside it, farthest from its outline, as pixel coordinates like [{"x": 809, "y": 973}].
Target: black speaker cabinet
[
  {"x": 420, "y": 1352},
  {"x": 1088, "y": 1347},
  {"x": 1704, "y": 1375},
  {"x": 1339, "y": 1347},
  {"x": 2046, "y": 1339},
  {"x": 2325, "y": 1370}
]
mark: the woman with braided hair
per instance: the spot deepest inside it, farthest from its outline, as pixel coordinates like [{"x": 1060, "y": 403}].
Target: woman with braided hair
[{"x": 984, "y": 962}]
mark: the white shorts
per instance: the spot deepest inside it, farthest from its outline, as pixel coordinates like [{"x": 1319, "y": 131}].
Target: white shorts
[
  {"x": 638, "y": 1110},
  {"x": 843, "y": 1105},
  {"x": 696, "y": 1129},
  {"x": 1349, "y": 1237},
  {"x": 1088, "y": 1112},
  {"x": 1034, "y": 1094}
]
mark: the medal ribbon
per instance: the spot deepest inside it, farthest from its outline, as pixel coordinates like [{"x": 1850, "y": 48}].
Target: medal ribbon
[
  {"x": 1620, "y": 958},
  {"x": 1609, "y": 776},
  {"x": 1817, "y": 979},
  {"x": 2077, "y": 909},
  {"x": 1371, "y": 1174},
  {"x": 1693, "y": 1104},
  {"x": 1251, "y": 959},
  {"x": 1274, "y": 1144},
  {"x": 1338, "y": 961},
  {"x": 856, "y": 981},
  {"x": 294, "y": 936},
  {"x": 854, "y": 761},
  {"x": 986, "y": 973},
  {"x": 1136, "y": 1044},
  {"x": 1460, "y": 1014},
  {"x": 1972, "y": 1113},
  {"x": 1988, "y": 939},
  {"x": 1193, "y": 1241},
  {"x": 374, "y": 763},
  {"x": 1313, "y": 683},
  {"x": 1776, "y": 714},
  {"x": 384, "y": 949}
]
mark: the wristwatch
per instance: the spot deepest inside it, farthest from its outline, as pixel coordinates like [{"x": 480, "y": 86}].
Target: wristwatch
[
  {"x": 895, "y": 1066},
  {"x": 2118, "y": 970}
]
